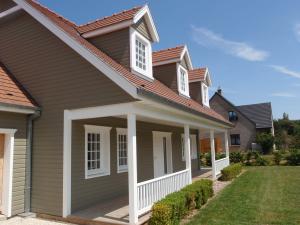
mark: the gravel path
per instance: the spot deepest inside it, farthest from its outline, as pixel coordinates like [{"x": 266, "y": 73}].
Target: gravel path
[{"x": 30, "y": 221}]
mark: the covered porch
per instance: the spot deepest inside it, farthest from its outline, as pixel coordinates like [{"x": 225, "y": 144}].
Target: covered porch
[{"x": 144, "y": 184}]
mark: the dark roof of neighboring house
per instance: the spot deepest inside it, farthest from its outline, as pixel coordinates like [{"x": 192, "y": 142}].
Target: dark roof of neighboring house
[
  {"x": 167, "y": 54},
  {"x": 11, "y": 92},
  {"x": 260, "y": 113},
  {"x": 154, "y": 87},
  {"x": 197, "y": 74}
]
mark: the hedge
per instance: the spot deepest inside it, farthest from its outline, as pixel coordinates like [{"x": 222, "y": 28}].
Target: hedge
[
  {"x": 171, "y": 209},
  {"x": 231, "y": 171}
]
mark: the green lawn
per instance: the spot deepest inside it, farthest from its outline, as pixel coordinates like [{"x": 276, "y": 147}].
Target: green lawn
[{"x": 262, "y": 195}]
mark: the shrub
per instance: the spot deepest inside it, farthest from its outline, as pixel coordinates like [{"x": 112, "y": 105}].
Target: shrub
[
  {"x": 231, "y": 171},
  {"x": 266, "y": 141},
  {"x": 236, "y": 157},
  {"x": 260, "y": 161},
  {"x": 171, "y": 209},
  {"x": 294, "y": 158},
  {"x": 220, "y": 156},
  {"x": 277, "y": 157},
  {"x": 208, "y": 159}
]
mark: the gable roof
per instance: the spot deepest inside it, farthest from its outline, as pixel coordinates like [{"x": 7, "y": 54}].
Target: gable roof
[
  {"x": 197, "y": 74},
  {"x": 260, "y": 113},
  {"x": 171, "y": 55},
  {"x": 119, "y": 74},
  {"x": 11, "y": 92}
]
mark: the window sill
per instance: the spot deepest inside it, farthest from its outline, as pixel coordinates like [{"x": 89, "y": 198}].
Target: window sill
[
  {"x": 97, "y": 175},
  {"x": 235, "y": 145},
  {"x": 123, "y": 171},
  {"x": 148, "y": 77},
  {"x": 184, "y": 95}
]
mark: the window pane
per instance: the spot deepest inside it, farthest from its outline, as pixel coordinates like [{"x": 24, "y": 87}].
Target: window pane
[
  {"x": 140, "y": 50},
  {"x": 94, "y": 151}
]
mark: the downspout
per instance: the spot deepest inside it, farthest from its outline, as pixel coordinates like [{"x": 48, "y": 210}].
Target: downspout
[{"x": 28, "y": 166}]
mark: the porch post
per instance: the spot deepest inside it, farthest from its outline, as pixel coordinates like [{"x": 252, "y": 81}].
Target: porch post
[
  {"x": 226, "y": 143},
  {"x": 187, "y": 147},
  {"x": 132, "y": 169},
  {"x": 213, "y": 153}
]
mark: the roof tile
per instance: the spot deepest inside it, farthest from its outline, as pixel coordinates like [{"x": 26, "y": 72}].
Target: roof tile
[
  {"x": 197, "y": 74},
  {"x": 167, "y": 54}
]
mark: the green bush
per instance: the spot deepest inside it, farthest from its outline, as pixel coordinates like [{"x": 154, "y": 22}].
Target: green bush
[
  {"x": 260, "y": 161},
  {"x": 266, "y": 141},
  {"x": 171, "y": 209},
  {"x": 231, "y": 171},
  {"x": 208, "y": 159},
  {"x": 294, "y": 158},
  {"x": 277, "y": 157},
  {"x": 236, "y": 157}
]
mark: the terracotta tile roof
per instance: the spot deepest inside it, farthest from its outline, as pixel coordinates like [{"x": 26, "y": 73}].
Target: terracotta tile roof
[
  {"x": 11, "y": 92},
  {"x": 109, "y": 20},
  {"x": 167, "y": 54},
  {"x": 154, "y": 87},
  {"x": 197, "y": 74}
]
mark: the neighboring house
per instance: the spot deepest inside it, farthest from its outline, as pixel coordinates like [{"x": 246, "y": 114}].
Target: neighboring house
[
  {"x": 248, "y": 120},
  {"x": 108, "y": 119}
]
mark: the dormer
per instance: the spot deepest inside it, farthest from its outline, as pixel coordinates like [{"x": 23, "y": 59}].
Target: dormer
[
  {"x": 199, "y": 82},
  {"x": 171, "y": 66},
  {"x": 126, "y": 37}
]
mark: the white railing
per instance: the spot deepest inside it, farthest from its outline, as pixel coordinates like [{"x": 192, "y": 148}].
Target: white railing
[
  {"x": 221, "y": 164},
  {"x": 154, "y": 190}
]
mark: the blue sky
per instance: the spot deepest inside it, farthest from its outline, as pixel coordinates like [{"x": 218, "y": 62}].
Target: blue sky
[{"x": 252, "y": 48}]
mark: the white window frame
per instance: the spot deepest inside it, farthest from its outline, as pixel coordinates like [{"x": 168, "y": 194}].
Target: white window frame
[
  {"x": 148, "y": 73},
  {"x": 104, "y": 151},
  {"x": 185, "y": 92},
  {"x": 205, "y": 94},
  {"x": 122, "y": 168},
  {"x": 193, "y": 148}
]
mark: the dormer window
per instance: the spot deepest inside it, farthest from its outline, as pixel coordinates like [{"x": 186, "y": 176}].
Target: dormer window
[
  {"x": 141, "y": 55},
  {"x": 182, "y": 77},
  {"x": 205, "y": 96}
]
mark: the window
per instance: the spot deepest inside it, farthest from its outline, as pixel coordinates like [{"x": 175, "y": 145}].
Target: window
[
  {"x": 141, "y": 55},
  {"x": 235, "y": 139},
  {"x": 193, "y": 146},
  {"x": 205, "y": 95},
  {"x": 232, "y": 116},
  {"x": 122, "y": 150},
  {"x": 182, "y": 77},
  {"x": 97, "y": 151}
]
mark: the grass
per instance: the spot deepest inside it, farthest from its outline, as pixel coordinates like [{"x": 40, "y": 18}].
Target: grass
[{"x": 262, "y": 196}]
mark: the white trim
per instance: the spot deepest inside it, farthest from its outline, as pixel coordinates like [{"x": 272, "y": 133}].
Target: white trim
[
  {"x": 122, "y": 131},
  {"x": 145, "y": 11},
  {"x": 207, "y": 77},
  {"x": 10, "y": 11},
  {"x": 205, "y": 101},
  {"x": 186, "y": 53},
  {"x": 80, "y": 49},
  {"x": 109, "y": 29},
  {"x": 166, "y": 62},
  {"x": 213, "y": 154},
  {"x": 104, "y": 169},
  {"x": 148, "y": 73},
  {"x": 194, "y": 137},
  {"x": 8, "y": 171},
  {"x": 187, "y": 146},
  {"x": 16, "y": 109},
  {"x": 185, "y": 93}
]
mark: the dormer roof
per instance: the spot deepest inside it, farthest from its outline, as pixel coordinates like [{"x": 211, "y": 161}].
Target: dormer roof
[
  {"x": 200, "y": 74},
  {"x": 119, "y": 21},
  {"x": 172, "y": 55}
]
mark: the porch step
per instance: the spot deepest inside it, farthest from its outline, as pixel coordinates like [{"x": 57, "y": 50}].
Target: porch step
[
  {"x": 144, "y": 219},
  {"x": 28, "y": 215},
  {"x": 2, "y": 217}
]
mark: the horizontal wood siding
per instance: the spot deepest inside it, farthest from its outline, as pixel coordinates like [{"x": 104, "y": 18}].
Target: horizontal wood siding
[
  {"x": 167, "y": 74},
  {"x": 195, "y": 91},
  {"x": 17, "y": 121},
  {"x": 141, "y": 27},
  {"x": 116, "y": 45},
  {"x": 58, "y": 78},
  {"x": 94, "y": 190},
  {"x": 6, "y": 4}
]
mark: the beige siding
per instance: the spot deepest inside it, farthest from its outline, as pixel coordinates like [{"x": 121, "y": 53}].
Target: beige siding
[
  {"x": 17, "y": 121},
  {"x": 141, "y": 27},
  {"x": 116, "y": 45},
  {"x": 58, "y": 78},
  {"x": 90, "y": 191},
  {"x": 6, "y": 4},
  {"x": 167, "y": 74}
]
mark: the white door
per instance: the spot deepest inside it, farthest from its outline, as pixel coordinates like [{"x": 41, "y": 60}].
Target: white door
[{"x": 162, "y": 153}]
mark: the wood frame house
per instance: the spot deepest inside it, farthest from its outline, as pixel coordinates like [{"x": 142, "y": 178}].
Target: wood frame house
[{"x": 90, "y": 113}]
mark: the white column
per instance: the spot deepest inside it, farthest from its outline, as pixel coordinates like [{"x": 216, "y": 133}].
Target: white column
[
  {"x": 132, "y": 169},
  {"x": 187, "y": 148},
  {"x": 213, "y": 153},
  {"x": 226, "y": 143}
]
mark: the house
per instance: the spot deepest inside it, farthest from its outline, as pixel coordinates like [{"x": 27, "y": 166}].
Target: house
[
  {"x": 89, "y": 114},
  {"x": 248, "y": 120}
]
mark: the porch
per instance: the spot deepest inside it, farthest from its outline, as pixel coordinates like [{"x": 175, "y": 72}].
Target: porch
[{"x": 153, "y": 171}]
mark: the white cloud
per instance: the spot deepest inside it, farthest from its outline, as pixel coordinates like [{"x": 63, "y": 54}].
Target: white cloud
[
  {"x": 283, "y": 94},
  {"x": 297, "y": 31},
  {"x": 286, "y": 71},
  {"x": 242, "y": 50}
]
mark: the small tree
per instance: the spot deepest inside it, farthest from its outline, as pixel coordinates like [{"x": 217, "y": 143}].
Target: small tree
[{"x": 266, "y": 141}]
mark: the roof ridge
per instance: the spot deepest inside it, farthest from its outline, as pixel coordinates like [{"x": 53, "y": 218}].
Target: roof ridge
[
  {"x": 261, "y": 103},
  {"x": 168, "y": 49},
  {"x": 106, "y": 17}
]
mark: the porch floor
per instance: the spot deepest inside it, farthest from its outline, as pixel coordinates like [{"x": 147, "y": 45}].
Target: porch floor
[
  {"x": 203, "y": 173},
  {"x": 112, "y": 211}
]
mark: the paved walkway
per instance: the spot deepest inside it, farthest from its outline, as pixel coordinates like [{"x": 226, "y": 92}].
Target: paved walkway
[{"x": 30, "y": 221}]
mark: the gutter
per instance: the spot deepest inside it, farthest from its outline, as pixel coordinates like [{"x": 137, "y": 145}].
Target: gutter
[
  {"x": 143, "y": 92},
  {"x": 28, "y": 166}
]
